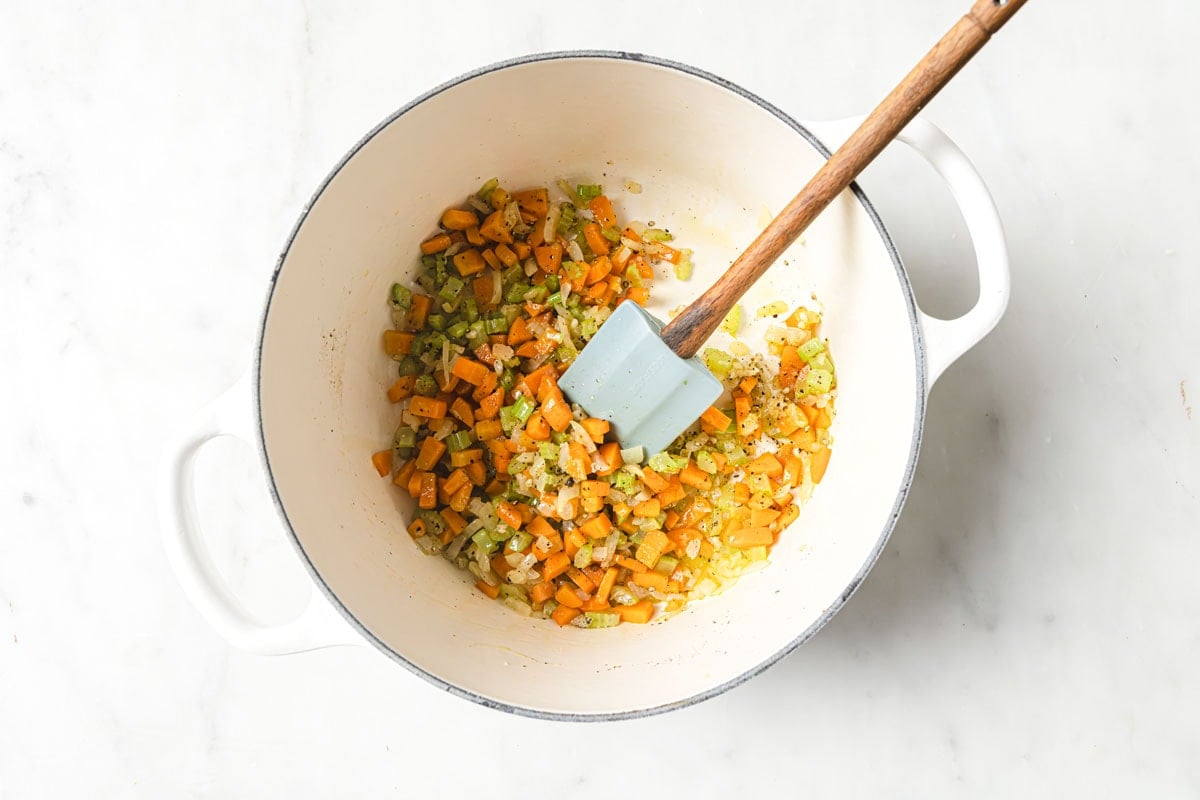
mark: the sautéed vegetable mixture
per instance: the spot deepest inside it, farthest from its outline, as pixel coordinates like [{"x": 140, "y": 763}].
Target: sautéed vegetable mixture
[{"x": 536, "y": 499}]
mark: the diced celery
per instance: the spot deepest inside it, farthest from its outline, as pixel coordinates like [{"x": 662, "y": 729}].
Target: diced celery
[
  {"x": 574, "y": 270},
  {"x": 683, "y": 270},
  {"x": 501, "y": 533},
  {"x": 633, "y": 276},
  {"x": 666, "y": 564},
  {"x": 819, "y": 381},
  {"x": 524, "y": 408},
  {"x": 552, "y": 283},
  {"x": 472, "y": 309},
  {"x": 733, "y": 320},
  {"x": 508, "y": 379},
  {"x": 624, "y": 480},
  {"x": 411, "y": 365},
  {"x": 719, "y": 363},
  {"x": 548, "y": 451},
  {"x": 566, "y": 217},
  {"x": 809, "y": 349},
  {"x": 451, "y": 289},
  {"x": 602, "y": 619},
  {"x": 611, "y": 233},
  {"x": 666, "y": 463},
  {"x": 554, "y": 299},
  {"x": 565, "y": 355},
  {"x": 437, "y": 322},
  {"x": 538, "y": 294},
  {"x": 459, "y": 440},
  {"x": 586, "y": 191},
  {"x": 497, "y": 323},
  {"x": 705, "y": 461},
  {"x": 404, "y": 437},
  {"x": 516, "y": 292},
  {"x": 458, "y": 330},
  {"x": 401, "y": 296},
  {"x": 583, "y": 556},
  {"x": 478, "y": 331},
  {"x": 484, "y": 542},
  {"x": 485, "y": 191},
  {"x": 425, "y": 385},
  {"x": 518, "y": 542},
  {"x": 558, "y": 438}
]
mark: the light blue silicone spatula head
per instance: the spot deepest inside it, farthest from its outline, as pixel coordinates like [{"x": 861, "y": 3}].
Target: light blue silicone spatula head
[{"x": 629, "y": 376}]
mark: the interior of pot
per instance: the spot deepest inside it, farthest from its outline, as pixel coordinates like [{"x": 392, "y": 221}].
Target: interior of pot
[{"x": 713, "y": 166}]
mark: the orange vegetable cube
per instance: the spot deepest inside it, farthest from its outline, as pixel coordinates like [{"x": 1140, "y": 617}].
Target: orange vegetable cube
[
  {"x": 397, "y": 343},
  {"x": 402, "y": 388},
  {"x": 549, "y": 257},
  {"x": 766, "y": 464},
  {"x": 436, "y": 244},
  {"x": 566, "y": 596},
  {"x": 638, "y": 613},
  {"x": 485, "y": 587},
  {"x": 427, "y": 498},
  {"x": 602, "y": 210},
  {"x": 648, "y": 508},
  {"x": 555, "y": 565},
  {"x": 650, "y": 580},
  {"x": 469, "y": 262},
  {"x": 383, "y": 462},
  {"x": 564, "y": 614},
  {"x": 456, "y": 219},
  {"x": 535, "y": 201},
  {"x": 428, "y": 407},
  {"x": 431, "y": 450},
  {"x": 596, "y": 241}
]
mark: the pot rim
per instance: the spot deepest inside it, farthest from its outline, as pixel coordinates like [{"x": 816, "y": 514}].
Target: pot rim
[{"x": 787, "y": 649}]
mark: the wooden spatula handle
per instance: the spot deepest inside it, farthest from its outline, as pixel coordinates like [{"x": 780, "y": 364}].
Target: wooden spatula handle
[{"x": 688, "y": 331}]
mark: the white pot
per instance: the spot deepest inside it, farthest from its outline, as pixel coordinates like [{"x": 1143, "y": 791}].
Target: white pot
[{"x": 714, "y": 162}]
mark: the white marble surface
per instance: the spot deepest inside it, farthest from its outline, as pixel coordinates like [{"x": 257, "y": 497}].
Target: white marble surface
[{"x": 1032, "y": 627}]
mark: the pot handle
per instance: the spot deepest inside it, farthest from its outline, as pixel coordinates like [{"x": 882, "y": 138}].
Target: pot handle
[
  {"x": 946, "y": 340},
  {"x": 316, "y": 627}
]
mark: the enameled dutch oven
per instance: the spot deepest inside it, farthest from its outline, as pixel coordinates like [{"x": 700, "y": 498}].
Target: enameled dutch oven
[{"x": 714, "y": 162}]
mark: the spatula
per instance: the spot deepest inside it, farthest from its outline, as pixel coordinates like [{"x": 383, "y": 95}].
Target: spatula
[{"x": 644, "y": 377}]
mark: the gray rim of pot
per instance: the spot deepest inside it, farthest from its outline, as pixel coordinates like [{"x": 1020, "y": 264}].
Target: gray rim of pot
[{"x": 901, "y": 495}]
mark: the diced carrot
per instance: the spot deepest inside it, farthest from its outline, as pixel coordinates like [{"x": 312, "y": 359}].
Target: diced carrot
[
  {"x": 536, "y": 348},
  {"x": 596, "y": 428},
  {"x": 383, "y": 462},
  {"x": 648, "y": 508},
  {"x": 541, "y": 592},
  {"x": 540, "y": 375},
  {"x": 397, "y": 343},
  {"x": 650, "y": 580},
  {"x": 643, "y": 268},
  {"x": 556, "y": 565},
  {"x": 428, "y": 407},
  {"x": 461, "y": 410},
  {"x": 693, "y": 476},
  {"x": 621, "y": 256},
  {"x": 631, "y": 564},
  {"x": 431, "y": 450},
  {"x": 812, "y": 414},
  {"x": 671, "y": 520},
  {"x": 564, "y": 614},
  {"x": 496, "y": 486},
  {"x": 494, "y": 228},
  {"x": 473, "y": 236},
  {"x": 507, "y": 257},
  {"x": 464, "y": 457},
  {"x": 766, "y": 464},
  {"x": 405, "y": 473},
  {"x": 748, "y": 383},
  {"x": 594, "y": 604},
  {"x": 750, "y": 537},
  {"x": 490, "y": 405},
  {"x": 460, "y": 499},
  {"x": 457, "y": 219},
  {"x": 469, "y": 262},
  {"x": 549, "y": 257},
  {"x": 454, "y": 521},
  {"x": 417, "y": 528},
  {"x": 651, "y": 548},
  {"x": 606, "y": 584},
  {"x": 428, "y": 495},
  {"x": 610, "y": 454},
  {"x": 763, "y": 517},
  {"x": 509, "y": 515},
  {"x": 402, "y": 388},
  {"x": 418, "y": 312},
  {"x": 670, "y": 254},
  {"x": 537, "y": 428},
  {"x": 741, "y": 407},
  {"x": 715, "y": 419},
  {"x": 566, "y": 596},
  {"x": 820, "y": 462},
  {"x": 522, "y": 249},
  {"x": 538, "y": 526},
  {"x": 487, "y": 429},
  {"x": 793, "y": 471},
  {"x": 470, "y": 371},
  {"x": 597, "y": 527},
  {"x": 594, "y": 489},
  {"x": 580, "y": 579},
  {"x": 654, "y": 482},
  {"x": 500, "y": 566},
  {"x": 602, "y": 210},
  {"x": 557, "y": 414},
  {"x": 536, "y": 201},
  {"x": 518, "y": 332},
  {"x": 673, "y": 493},
  {"x": 436, "y": 244},
  {"x": 741, "y": 492},
  {"x": 638, "y": 294},
  {"x": 491, "y": 591},
  {"x": 599, "y": 270},
  {"x": 823, "y": 419},
  {"x": 595, "y": 240},
  {"x": 638, "y": 613},
  {"x": 457, "y": 479}
]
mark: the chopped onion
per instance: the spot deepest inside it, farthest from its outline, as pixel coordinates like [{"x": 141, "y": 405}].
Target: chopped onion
[
  {"x": 633, "y": 455},
  {"x": 550, "y": 229},
  {"x": 582, "y": 437},
  {"x": 630, "y": 243},
  {"x": 445, "y": 427},
  {"x": 512, "y": 215},
  {"x": 478, "y": 205},
  {"x": 497, "y": 288},
  {"x": 575, "y": 251}
]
